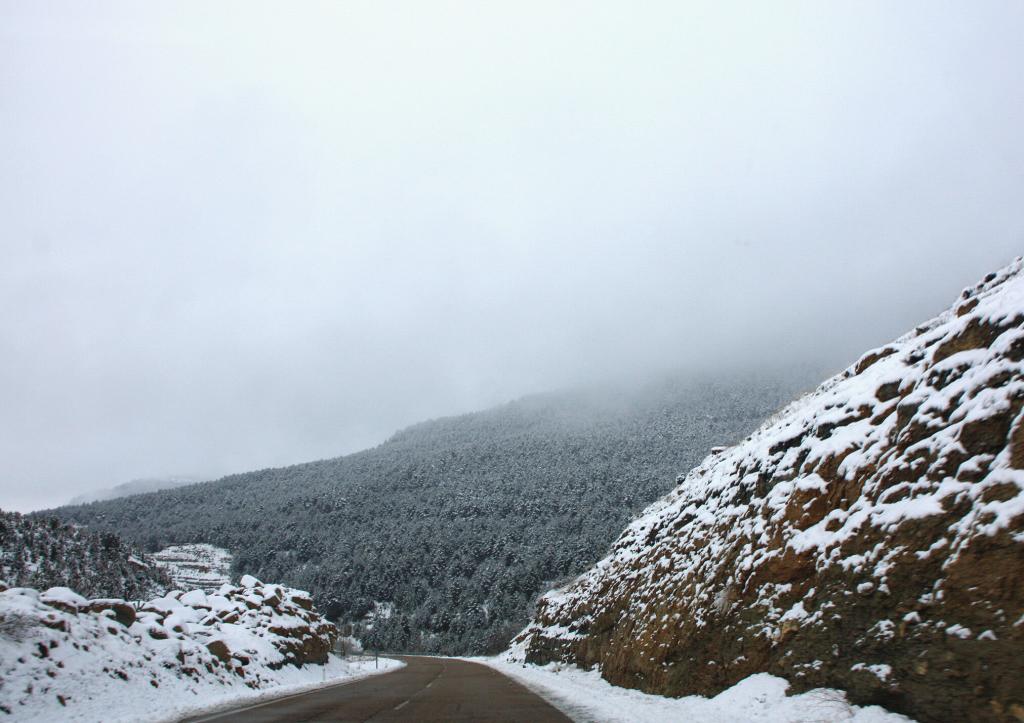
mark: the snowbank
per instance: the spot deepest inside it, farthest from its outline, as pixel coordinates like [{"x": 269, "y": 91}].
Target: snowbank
[
  {"x": 64, "y": 657},
  {"x": 585, "y": 696}
]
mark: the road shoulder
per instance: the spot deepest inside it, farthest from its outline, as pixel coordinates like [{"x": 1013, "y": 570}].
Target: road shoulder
[{"x": 343, "y": 672}]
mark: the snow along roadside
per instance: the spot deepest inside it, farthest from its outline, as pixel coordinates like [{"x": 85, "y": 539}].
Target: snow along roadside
[
  {"x": 296, "y": 680},
  {"x": 585, "y": 696},
  {"x": 66, "y": 658}
]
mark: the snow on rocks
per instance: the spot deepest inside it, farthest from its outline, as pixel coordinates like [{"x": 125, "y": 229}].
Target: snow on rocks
[
  {"x": 896, "y": 489},
  {"x": 62, "y": 652},
  {"x": 195, "y": 565}
]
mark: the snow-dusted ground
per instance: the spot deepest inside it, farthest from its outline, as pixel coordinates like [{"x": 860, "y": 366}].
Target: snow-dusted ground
[
  {"x": 586, "y": 696},
  {"x": 196, "y": 566},
  {"x": 66, "y": 658}
]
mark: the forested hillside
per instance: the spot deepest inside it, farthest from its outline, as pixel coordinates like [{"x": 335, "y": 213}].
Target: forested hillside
[
  {"x": 44, "y": 552},
  {"x": 449, "y": 530}
]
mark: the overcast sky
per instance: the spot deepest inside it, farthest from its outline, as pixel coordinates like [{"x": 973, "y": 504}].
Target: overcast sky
[{"x": 235, "y": 235}]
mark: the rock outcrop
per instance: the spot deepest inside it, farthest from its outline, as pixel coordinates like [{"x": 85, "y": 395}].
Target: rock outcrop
[{"x": 869, "y": 537}]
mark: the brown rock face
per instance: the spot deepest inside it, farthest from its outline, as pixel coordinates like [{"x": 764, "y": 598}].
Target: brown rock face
[
  {"x": 220, "y": 650},
  {"x": 870, "y": 538},
  {"x": 123, "y": 612}
]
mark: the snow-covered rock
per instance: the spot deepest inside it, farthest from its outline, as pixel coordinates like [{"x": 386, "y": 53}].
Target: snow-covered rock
[
  {"x": 195, "y": 565},
  {"x": 855, "y": 541},
  {"x": 59, "y": 649}
]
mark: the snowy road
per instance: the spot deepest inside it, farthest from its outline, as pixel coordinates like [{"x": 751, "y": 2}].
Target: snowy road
[{"x": 427, "y": 689}]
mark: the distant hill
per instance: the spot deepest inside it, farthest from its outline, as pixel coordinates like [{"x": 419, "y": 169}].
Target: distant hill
[
  {"x": 43, "y": 552},
  {"x": 441, "y": 538},
  {"x": 870, "y": 538},
  {"x": 135, "y": 487}
]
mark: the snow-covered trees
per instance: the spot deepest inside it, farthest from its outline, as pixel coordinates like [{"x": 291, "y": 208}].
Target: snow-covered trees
[
  {"x": 458, "y": 524},
  {"x": 44, "y": 552}
]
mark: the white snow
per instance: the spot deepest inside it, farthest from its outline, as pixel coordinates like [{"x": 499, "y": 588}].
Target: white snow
[
  {"x": 879, "y": 670},
  {"x": 63, "y": 595},
  {"x": 585, "y": 696},
  {"x": 196, "y": 566},
  {"x": 959, "y": 631},
  {"x": 63, "y": 657}
]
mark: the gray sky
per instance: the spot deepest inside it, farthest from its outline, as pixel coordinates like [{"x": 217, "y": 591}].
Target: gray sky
[{"x": 235, "y": 235}]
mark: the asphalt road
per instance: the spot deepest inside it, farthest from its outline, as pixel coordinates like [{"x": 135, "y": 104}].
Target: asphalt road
[{"x": 426, "y": 689}]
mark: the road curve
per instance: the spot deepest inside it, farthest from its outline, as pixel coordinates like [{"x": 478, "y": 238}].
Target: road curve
[{"x": 426, "y": 689}]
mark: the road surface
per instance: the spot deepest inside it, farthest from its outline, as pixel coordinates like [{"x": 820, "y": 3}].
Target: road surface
[{"x": 426, "y": 689}]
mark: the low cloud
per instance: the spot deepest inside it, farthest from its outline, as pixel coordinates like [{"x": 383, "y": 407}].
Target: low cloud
[{"x": 238, "y": 236}]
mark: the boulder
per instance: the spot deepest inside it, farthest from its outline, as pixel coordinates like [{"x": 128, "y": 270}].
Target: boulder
[
  {"x": 220, "y": 650},
  {"x": 120, "y": 610}
]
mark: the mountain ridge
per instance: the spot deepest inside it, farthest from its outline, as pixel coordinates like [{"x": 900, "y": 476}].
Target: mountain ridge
[
  {"x": 456, "y": 524},
  {"x": 133, "y": 487}
]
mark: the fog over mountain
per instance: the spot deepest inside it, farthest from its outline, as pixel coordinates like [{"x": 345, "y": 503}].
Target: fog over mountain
[
  {"x": 234, "y": 237},
  {"x": 135, "y": 487}
]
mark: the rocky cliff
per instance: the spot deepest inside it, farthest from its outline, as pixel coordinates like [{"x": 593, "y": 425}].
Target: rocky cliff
[{"x": 869, "y": 537}]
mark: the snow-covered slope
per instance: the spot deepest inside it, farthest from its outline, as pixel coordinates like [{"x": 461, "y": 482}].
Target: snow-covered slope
[
  {"x": 584, "y": 696},
  {"x": 195, "y": 566},
  {"x": 65, "y": 657},
  {"x": 870, "y": 537}
]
